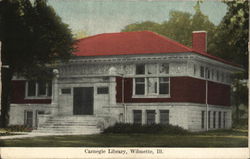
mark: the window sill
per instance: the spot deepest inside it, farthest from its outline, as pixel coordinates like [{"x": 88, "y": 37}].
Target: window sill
[
  {"x": 151, "y": 96},
  {"x": 41, "y": 97}
]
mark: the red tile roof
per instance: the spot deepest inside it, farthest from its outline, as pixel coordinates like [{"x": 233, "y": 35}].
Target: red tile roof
[{"x": 129, "y": 43}]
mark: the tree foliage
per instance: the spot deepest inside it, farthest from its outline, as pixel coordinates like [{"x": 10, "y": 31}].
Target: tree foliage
[
  {"x": 179, "y": 26},
  {"x": 231, "y": 38},
  {"x": 33, "y": 38}
]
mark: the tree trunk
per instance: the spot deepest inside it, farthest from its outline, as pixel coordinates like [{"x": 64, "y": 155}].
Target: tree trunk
[
  {"x": 6, "y": 74},
  {"x": 6, "y": 77}
]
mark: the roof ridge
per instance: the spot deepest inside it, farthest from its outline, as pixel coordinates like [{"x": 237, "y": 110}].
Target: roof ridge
[{"x": 92, "y": 36}]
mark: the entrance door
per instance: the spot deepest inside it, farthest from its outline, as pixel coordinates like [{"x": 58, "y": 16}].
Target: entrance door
[{"x": 83, "y": 101}]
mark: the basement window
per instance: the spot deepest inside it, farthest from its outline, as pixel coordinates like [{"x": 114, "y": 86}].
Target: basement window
[
  {"x": 164, "y": 117},
  {"x": 137, "y": 116}
]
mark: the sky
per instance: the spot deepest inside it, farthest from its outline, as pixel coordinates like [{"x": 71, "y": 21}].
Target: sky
[{"x": 106, "y": 16}]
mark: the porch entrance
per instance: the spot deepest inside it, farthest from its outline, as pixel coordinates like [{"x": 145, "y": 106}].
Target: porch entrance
[{"x": 83, "y": 101}]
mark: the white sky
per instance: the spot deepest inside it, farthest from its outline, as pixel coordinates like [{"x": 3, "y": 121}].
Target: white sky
[{"x": 102, "y": 16}]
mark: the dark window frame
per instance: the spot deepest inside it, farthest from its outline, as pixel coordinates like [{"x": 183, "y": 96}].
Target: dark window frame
[
  {"x": 103, "y": 90},
  {"x": 136, "y": 117}
]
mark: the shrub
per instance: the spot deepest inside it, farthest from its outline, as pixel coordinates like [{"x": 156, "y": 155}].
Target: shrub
[
  {"x": 147, "y": 129},
  {"x": 18, "y": 128}
]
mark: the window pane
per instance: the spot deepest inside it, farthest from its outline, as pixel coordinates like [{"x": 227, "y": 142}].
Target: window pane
[
  {"x": 152, "y": 69},
  {"x": 224, "y": 120},
  {"x": 137, "y": 116},
  {"x": 209, "y": 116},
  {"x": 194, "y": 69},
  {"x": 218, "y": 75},
  {"x": 202, "y": 119},
  {"x": 31, "y": 88},
  {"x": 152, "y": 85},
  {"x": 139, "y": 86},
  {"x": 212, "y": 76},
  {"x": 164, "y": 116},
  {"x": 164, "y": 85},
  {"x": 41, "y": 88},
  {"x": 28, "y": 119},
  {"x": 222, "y": 77},
  {"x": 49, "y": 88},
  {"x": 164, "y": 68},
  {"x": 219, "y": 121},
  {"x": 140, "y": 69},
  {"x": 207, "y": 73},
  {"x": 150, "y": 117},
  {"x": 214, "y": 123},
  {"x": 202, "y": 71},
  {"x": 164, "y": 79}
]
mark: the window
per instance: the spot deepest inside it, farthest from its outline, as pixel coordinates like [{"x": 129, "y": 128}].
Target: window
[
  {"x": 42, "y": 88},
  {"x": 228, "y": 78},
  {"x": 28, "y": 118},
  {"x": 164, "y": 68},
  {"x": 202, "y": 119},
  {"x": 224, "y": 119},
  {"x": 102, "y": 90},
  {"x": 214, "y": 120},
  {"x": 140, "y": 69},
  {"x": 207, "y": 73},
  {"x": 164, "y": 85},
  {"x": 137, "y": 116},
  {"x": 219, "y": 121},
  {"x": 151, "y": 69},
  {"x": 140, "y": 86},
  {"x": 212, "y": 74},
  {"x": 195, "y": 69},
  {"x": 31, "y": 88},
  {"x": 152, "y": 84},
  {"x": 150, "y": 117},
  {"x": 65, "y": 91},
  {"x": 218, "y": 75},
  {"x": 38, "y": 88},
  {"x": 209, "y": 116},
  {"x": 222, "y": 77},
  {"x": 164, "y": 117},
  {"x": 202, "y": 74}
]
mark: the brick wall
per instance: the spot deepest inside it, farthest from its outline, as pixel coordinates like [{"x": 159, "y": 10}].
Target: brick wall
[{"x": 182, "y": 89}]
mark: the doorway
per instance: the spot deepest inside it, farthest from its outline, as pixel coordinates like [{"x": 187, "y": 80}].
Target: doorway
[{"x": 83, "y": 101}]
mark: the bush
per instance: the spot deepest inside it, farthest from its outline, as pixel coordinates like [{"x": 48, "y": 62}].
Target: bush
[
  {"x": 147, "y": 129},
  {"x": 18, "y": 128}
]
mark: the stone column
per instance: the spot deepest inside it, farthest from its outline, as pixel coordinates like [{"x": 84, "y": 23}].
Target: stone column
[
  {"x": 112, "y": 91},
  {"x": 157, "y": 116},
  {"x": 143, "y": 112},
  {"x": 55, "y": 91}
]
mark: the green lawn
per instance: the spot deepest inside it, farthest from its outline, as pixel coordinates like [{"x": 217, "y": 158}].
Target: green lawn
[{"x": 232, "y": 138}]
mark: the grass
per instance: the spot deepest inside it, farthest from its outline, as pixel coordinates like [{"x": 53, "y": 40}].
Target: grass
[{"x": 221, "y": 138}]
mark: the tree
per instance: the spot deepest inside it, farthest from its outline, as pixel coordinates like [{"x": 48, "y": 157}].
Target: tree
[
  {"x": 179, "y": 26},
  {"x": 231, "y": 38},
  {"x": 33, "y": 38},
  {"x": 231, "y": 43}
]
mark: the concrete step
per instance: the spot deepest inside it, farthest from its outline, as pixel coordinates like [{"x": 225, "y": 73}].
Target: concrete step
[{"x": 70, "y": 125}]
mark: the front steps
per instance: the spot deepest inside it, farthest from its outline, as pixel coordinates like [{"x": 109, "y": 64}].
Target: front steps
[{"x": 69, "y": 125}]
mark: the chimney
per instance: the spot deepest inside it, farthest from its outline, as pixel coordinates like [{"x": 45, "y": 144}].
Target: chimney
[{"x": 199, "y": 41}]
